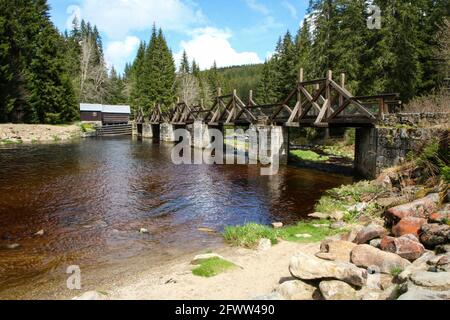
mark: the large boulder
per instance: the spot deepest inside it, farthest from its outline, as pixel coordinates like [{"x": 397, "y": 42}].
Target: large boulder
[
  {"x": 367, "y": 256},
  {"x": 407, "y": 246},
  {"x": 336, "y": 250},
  {"x": 408, "y": 225},
  {"x": 296, "y": 290},
  {"x": 417, "y": 293},
  {"x": 421, "y": 208},
  {"x": 435, "y": 234},
  {"x": 421, "y": 264},
  {"x": 337, "y": 290},
  {"x": 432, "y": 280},
  {"x": 307, "y": 267},
  {"x": 372, "y": 231}
]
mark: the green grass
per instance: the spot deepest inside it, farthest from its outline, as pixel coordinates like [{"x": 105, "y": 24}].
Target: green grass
[
  {"x": 340, "y": 151},
  {"x": 212, "y": 267},
  {"x": 395, "y": 272},
  {"x": 308, "y": 155},
  {"x": 9, "y": 142},
  {"x": 87, "y": 127},
  {"x": 250, "y": 234}
]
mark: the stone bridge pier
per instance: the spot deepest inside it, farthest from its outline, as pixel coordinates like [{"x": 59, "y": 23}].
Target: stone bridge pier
[{"x": 267, "y": 142}]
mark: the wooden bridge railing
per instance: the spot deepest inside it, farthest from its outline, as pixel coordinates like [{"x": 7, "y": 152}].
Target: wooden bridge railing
[{"x": 319, "y": 103}]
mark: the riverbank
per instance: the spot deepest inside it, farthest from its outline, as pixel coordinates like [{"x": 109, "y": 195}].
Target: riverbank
[{"x": 30, "y": 133}]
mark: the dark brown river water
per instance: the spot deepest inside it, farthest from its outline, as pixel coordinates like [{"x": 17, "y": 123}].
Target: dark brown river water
[{"x": 91, "y": 198}]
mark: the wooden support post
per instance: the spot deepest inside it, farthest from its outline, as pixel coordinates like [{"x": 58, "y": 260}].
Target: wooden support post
[
  {"x": 219, "y": 92},
  {"x": 202, "y": 104},
  {"x": 250, "y": 97},
  {"x": 341, "y": 97},
  {"x": 299, "y": 94}
]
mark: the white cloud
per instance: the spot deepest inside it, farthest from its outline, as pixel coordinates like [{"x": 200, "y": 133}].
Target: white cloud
[
  {"x": 290, "y": 7},
  {"x": 117, "y": 18},
  {"x": 258, "y": 7},
  {"x": 73, "y": 12},
  {"x": 210, "y": 44},
  {"x": 119, "y": 52}
]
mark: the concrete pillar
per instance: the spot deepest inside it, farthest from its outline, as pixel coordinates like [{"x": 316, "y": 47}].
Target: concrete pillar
[
  {"x": 167, "y": 132},
  {"x": 134, "y": 129},
  {"x": 147, "y": 130},
  {"x": 271, "y": 141},
  {"x": 366, "y": 152}
]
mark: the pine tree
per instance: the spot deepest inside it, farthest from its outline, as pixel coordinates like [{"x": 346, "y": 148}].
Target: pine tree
[
  {"x": 285, "y": 67},
  {"x": 266, "y": 89},
  {"x": 184, "y": 65},
  {"x": 303, "y": 48}
]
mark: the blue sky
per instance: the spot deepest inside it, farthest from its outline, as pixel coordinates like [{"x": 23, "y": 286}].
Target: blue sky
[{"x": 232, "y": 32}]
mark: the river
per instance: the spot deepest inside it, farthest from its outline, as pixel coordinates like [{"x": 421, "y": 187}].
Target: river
[{"x": 91, "y": 198}]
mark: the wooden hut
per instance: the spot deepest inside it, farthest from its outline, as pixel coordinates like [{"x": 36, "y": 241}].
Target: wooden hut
[{"x": 104, "y": 114}]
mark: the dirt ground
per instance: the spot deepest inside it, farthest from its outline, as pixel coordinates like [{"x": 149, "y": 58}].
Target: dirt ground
[{"x": 29, "y": 133}]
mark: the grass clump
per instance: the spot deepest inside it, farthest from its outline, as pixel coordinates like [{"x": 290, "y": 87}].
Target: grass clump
[
  {"x": 249, "y": 235},
  {"x": 395, "y": 272},
  {"x": 87, "y": 127},
  {"x": 212, "y": 267},
  {"x": 308, "y": 155}
]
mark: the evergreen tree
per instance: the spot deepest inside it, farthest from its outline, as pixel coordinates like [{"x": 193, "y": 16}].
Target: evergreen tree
[
  {"x": 184, "y": 65},
  {"x": 285, "y": 64},
  {"x": 266, "y": 89}
]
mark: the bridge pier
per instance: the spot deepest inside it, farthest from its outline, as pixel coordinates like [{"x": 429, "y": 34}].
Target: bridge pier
[
  {"x": 147, "y": 130},
  {"x": 200, "y": 137},
  {"x": 167, "y": 132},
  {"x": 267, "y": 142},
  {"x": 366, "y": 152}
]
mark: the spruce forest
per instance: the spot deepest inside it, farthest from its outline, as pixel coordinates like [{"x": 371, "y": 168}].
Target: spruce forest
[{"x": 45, "y": 73}]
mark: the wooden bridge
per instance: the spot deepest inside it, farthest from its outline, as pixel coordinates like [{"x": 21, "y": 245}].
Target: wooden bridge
[{"x": 318, "y": 103}]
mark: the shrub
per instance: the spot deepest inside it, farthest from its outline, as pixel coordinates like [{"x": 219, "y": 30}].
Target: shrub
[{"x": 212, "y": 267}]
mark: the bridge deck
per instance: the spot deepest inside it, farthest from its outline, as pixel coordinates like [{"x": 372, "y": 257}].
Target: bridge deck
[{"x": 316, "y": 103}]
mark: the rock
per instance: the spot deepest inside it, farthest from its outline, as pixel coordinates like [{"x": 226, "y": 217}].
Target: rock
[
  {"x": 143, "y": 231},
  {"x": 39, "y": 233},
  {"x": 338, "y": 225},
  {"x": 375, "y": 243},
  {"x": 274, "y": 296},
  {"x": 336, "y": 250},
  {"x": 435, "y": 234},
  {"x": 89, "y": 296},
  {"x": 207, "y": 230},
  {"x": 421, "y": 208},
  {"x": 408, "y": 225},
  {"x": 359, "y": 207},
  {"x": 373, "y": 294},
  {"x": 384, "y": 181},
  {"x": 296, "y": 290},
  {"x": 337, "y": 290},
  {"x": 277, "y": 225},
  {"x": 367, "y": 256},
  {"x": 13, "y": 246},
  {"x": 438, "y": 217},
  {"x": 443, "y": 248},
  {"x": 351, "y": 236},
  {"x": 303, "y": 235},
  {"x": 390, "y": 202},
  {"x": 202, "y": 257},
  {"x": 404, "y": 246},
  {"x": 431, "y": 280},
  {"x": 307, "y": 267},
  {"x": 370, "y": 232},
  {"x": 420, "y": 264},
  {"x": 421, "y": 294},
  {"x": 319, "y": 215},
  {"x": 336, "y": 215},
  {"x": 264, "y": 245}
]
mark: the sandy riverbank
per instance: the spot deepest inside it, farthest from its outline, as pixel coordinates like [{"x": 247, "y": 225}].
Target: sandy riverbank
[
  {"x": 30, "y": 133},
  {"x": 257, "y": 274}
]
